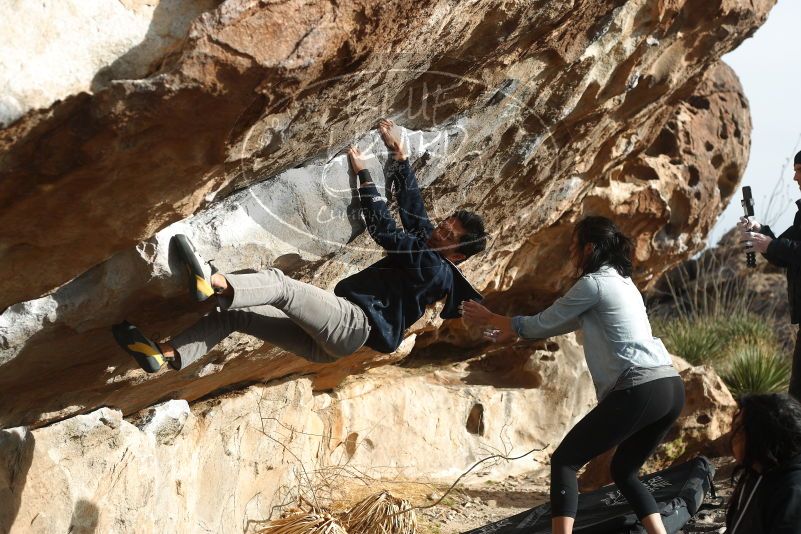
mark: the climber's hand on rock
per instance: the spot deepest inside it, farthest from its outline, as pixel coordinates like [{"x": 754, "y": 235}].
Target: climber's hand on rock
[
  {"x": 356, "y": 158},
  {"x": 392, "y": 140}
]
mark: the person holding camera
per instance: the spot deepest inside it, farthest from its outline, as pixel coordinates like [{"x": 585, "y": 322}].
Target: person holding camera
[{"x": 782, "y": 251}]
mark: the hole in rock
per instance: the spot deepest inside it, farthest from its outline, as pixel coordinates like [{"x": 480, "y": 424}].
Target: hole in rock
[
  {"x": 642, "y": 172},
  {"x": 695, "y": 176},
  {"x": 703, "y": 419},
  {"x": 679, "y": 214},
  {"x": 351, "y": 442},
  {"x": 728, "y": 181},
  {"x": 475, "y": 420},
  {"x": 665, "y": 143},
  {"x": 288, "y": 263},
  {"x": 699, "y": 102}
]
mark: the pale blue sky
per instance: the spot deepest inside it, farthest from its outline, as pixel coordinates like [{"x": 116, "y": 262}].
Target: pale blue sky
[{"x": 769, "y": 67}]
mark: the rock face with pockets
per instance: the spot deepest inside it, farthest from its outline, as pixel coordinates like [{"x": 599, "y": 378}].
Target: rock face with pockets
[
  {"x": 231, "y": 133},
  {"x": 123, "y": 123}
]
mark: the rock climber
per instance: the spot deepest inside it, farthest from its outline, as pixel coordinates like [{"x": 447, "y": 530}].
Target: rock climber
[{"x": 372, "y": 307}]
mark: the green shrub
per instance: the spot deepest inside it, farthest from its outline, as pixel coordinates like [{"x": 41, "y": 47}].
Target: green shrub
[
  {"x": 696, "y": 341},
  {"x": 712, "y": 339},
  {"x": 708, "y": 320},
  {"x": 757, "y": 368},
  {"x": 746, "y": 327}
]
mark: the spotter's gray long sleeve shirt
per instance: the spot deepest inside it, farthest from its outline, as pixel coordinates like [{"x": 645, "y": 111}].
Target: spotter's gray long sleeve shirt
[{"x": 610, "y": 311}]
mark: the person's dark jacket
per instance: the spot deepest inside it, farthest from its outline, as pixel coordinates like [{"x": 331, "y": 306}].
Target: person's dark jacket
[
  {"x": 770, "y": 503},
  {"x": 785, "y": 251},
  {"x": 395, "y": 291}
]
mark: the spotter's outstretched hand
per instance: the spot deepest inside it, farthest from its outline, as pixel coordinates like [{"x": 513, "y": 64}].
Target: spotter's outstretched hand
[
  {"x": 474, "y": 314},
  {"x": 497, "y": 328}
]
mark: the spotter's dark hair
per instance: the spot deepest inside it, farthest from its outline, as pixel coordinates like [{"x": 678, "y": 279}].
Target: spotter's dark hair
[{"x": 610, "y": 246}]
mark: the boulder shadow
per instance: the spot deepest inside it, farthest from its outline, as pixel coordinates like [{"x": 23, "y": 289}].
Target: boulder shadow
[
  {"x": 16, "y": 456},
  {"x": 146, "y": 58},
  {"x": 85, "y": 517}
]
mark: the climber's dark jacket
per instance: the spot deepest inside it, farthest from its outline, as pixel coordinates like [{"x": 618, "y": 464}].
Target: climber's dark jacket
[{"x": 395, "y": 291}]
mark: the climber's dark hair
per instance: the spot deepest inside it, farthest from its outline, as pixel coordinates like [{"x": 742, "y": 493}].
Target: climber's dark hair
[
  {"x": 475, "y": 238},
  {"x": 771, "y": 424},
  {"x": 610, "y": 246}
]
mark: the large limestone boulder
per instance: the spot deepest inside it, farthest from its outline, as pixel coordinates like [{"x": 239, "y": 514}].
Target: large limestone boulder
[
  {"x": 559, "y": 95},
  {"x": 229, "y": 463},
  {"x": 132, "y": 121},
  {"x": 532, "y": 114}
]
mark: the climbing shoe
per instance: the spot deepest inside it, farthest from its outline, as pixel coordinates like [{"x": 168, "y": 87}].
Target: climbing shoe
[
  {"x": 146, "y": 353},
  {"x": 199, "y": 286}
]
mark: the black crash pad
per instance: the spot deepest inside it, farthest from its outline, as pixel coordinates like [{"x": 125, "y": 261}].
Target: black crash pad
[{"x": 678, "y": 490}]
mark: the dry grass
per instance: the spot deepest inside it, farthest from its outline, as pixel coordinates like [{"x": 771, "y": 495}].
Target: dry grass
[
  {"x": 316, "y": 522},
  {"x": 381, "y": 514}
]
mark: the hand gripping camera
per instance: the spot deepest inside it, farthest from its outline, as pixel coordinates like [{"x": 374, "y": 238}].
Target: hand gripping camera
[{"x": 748, "y": 208}]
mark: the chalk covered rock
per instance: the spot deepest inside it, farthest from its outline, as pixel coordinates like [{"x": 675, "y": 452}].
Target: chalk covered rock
[{"x": 165, "y": 421}]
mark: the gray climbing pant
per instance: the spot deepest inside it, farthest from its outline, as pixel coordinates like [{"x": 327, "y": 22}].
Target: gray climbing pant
[{"x": 298, "y": 317}]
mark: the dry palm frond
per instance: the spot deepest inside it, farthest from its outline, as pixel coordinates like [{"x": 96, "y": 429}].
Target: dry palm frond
[
  {"x": 306, "y": 523},
  {"x": 381, "y": 514}
]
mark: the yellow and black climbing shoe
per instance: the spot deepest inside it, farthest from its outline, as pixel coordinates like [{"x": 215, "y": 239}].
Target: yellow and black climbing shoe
[
  {"x": 146, "y": 353},
  {"x": 199, "y": 287}
]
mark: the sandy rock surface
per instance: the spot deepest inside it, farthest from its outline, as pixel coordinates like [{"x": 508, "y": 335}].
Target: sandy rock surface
[
  {"x": 531, "y": 114},
  {"x": 132, "y": 121},
  {"x": 229, "y": 463}
]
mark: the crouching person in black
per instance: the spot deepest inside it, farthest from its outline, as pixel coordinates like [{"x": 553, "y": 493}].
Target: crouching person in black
[{"x": 766, "y": 443}]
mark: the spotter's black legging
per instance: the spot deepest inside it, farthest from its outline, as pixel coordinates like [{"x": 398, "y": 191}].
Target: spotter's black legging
[{"x": 636, "y": 420}]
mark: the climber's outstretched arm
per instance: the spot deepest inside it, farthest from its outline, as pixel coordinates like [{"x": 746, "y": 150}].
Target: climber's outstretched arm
[
  {"x": 408, "y": 248},
  {"x": 413, "y": 214}
]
